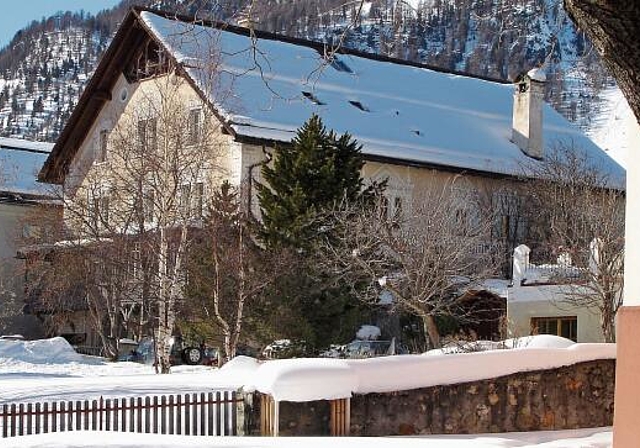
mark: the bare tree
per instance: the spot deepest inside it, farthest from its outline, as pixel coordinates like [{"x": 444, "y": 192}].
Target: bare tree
[
  {"x": 423, "y": 258},
  {"x": 148, "y": 191},
  {"x": 580, "y": 213},
  {"x": 227, "y": 271}
]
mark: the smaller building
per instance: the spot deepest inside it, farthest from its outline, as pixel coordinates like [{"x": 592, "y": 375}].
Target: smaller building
[
  {"x": 542, "y": 300},
  {"x": 20, "y": 162}
]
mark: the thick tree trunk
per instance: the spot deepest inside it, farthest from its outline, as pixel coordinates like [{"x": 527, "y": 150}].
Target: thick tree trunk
[
  {"x": 431, "y": 332},
  {"x": 614, "y": 28}
]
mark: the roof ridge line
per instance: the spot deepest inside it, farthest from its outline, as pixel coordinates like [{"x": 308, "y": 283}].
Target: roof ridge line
[{"x": 320, "y": 47}]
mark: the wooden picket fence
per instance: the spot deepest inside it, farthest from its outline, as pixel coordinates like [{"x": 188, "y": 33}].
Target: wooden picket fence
[{"x": 204, "y": 414}]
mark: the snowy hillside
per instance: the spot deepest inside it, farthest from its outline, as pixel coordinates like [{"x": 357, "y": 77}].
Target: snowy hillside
[
  {"x": 46, "y": 66},
  {"x": 615, "y": 126}
]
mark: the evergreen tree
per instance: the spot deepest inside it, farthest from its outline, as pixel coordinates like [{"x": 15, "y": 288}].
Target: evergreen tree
[{"x": 318, "y": 170}]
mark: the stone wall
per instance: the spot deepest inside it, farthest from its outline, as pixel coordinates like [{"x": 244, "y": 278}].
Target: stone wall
[{"x": 578, "y": 396}]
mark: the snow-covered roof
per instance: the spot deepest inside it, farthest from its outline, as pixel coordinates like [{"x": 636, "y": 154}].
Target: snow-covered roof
[
  {"x": 268, "y": 87},
  {"x": 20, "y": 161}
]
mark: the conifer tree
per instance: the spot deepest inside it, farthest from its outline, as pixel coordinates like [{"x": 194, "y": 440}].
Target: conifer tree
[
  {"x": 308, "y": 178},
  {"x": 318, "y": 170}
]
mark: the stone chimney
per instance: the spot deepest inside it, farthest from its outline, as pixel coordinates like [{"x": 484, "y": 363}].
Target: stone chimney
[
  {"x": 520, "y": 264},
  {"x": 527, "y": 113}
]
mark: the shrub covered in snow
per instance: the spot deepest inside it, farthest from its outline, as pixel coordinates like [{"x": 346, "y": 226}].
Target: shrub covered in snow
[{"x": 368, "y": 333}]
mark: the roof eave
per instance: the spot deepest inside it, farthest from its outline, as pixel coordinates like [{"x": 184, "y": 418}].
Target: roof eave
[{"x": 55, "y": 167}]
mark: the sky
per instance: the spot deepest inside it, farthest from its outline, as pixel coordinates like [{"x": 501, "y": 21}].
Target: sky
[{"x": 16, "y": 14}]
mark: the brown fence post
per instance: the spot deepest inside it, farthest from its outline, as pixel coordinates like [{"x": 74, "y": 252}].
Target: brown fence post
[
  {"x": 218, "y": 418},
  {"x": 29, "y": 418},
  {"x": 94, "y": 414},
  {"x": 107, "y": 415},
  {"x": 70, "y": 413},
  {"x": 171, "y": 415},
  {"x": 203, "y": 410},
  {"x": 237, "y": 417},
  {"x": 116, "y": 414},
  {"x": 187, "y": 415},
  {"x": 54, "y": 417},
  {"x": 211, "y": 419},
  {"x": 101, "y": 414},
  {"x": 79, "y": 415},
  {"x": 85, "y": 414},
  {"x": 123, "y": 415},
  {"x": 38, "y": 417},
  {"x": 163, "y": 414},
  {"x": 45, "y": 418},
  {"x": 340, "y": 417},
  {"x": 63, "y": 416},
  {"x": 179, "y": 414},
  {"x": 4, "y": 417},
  {"x": 194, "y": 414}
]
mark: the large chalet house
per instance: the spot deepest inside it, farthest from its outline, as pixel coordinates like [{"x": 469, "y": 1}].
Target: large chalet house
[{"x": 244, "y": 92}]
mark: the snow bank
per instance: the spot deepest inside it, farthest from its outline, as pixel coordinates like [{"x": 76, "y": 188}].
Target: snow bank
[
  {"x": 325, "y": 379},
  {"x": 539, "y": 341},
  {"x": 42, "y": 351},
  {"x": 577, "y": 438}
]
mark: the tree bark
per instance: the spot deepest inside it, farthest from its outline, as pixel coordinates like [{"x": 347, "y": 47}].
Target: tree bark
[
  {"x": 614, "y": 28},
  {"x": 431, "y": 332}
]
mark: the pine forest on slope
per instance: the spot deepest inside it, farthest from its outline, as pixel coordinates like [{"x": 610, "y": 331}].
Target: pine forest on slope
[{"x": 45, "y": 67}]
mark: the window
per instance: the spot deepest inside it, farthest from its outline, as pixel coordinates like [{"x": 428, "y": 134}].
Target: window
[
  {"x": 185, "y": 199},
  {"x": 195, "y": 126},
  {"x": 134, "y": 262},
  {"x": 103, "y": 207},
  {"x": 102, "y": 146},
  {"x": 198, "y": 200},
  {"x": 97, "y": 209},
  {"x": 567, "y": 327},
  {"x": 191, "y": 200},
  {"x": 508, "y": 223},
  {"x": 147, "y": 134},
  {"x": 148, "y": 207}
]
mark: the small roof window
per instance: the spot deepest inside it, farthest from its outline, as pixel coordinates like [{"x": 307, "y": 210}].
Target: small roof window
[
  {"x": 340, "y": 65},
  {"x": 359, "y": 105},
  {"x": 311, "y": 97}
]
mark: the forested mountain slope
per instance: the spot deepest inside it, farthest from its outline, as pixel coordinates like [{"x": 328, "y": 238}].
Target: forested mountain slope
[{"x": 46, "y": 65}]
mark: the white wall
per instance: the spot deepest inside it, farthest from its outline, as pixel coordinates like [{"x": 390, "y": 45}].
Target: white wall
[{"x": 12, "y": 320}]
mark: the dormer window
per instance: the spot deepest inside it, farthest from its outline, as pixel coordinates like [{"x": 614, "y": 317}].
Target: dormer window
[
  {"x": 359, "y": 105},
  {"x": 311, "y": 97},
  {"x": 339, "y": 65}
]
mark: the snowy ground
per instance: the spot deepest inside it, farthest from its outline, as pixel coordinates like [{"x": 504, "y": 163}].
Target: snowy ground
[
  {"x": 51, "y": 370},
  {"x": 585, "y": 438}
]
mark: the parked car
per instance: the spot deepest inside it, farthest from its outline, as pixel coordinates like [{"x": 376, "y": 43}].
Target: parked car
[
  {"x": 370, "y": 349},
  {"x": 181, "y": 353}
]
